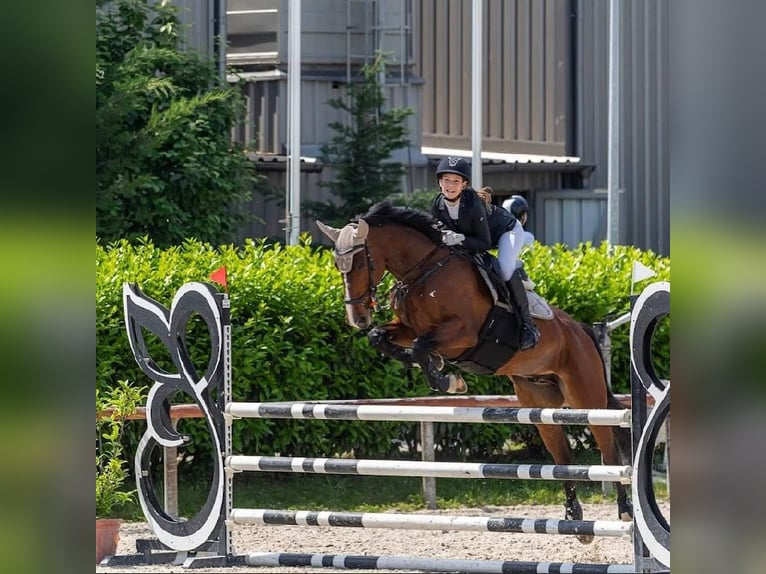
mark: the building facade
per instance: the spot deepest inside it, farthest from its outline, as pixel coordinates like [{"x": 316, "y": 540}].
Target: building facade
[{"x": 544, "y": 129}]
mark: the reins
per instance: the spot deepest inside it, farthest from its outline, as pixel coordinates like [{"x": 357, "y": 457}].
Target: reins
[{"x": 401, "y": 288}]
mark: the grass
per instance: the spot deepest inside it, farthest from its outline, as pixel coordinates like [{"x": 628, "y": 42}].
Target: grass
[{"x": 378, "y": 494}]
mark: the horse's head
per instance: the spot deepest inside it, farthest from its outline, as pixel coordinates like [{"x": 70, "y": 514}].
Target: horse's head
[{"x": 360, "y": 276}]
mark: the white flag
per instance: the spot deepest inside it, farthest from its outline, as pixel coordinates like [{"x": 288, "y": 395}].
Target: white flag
[{"x": 641, "y": 272}]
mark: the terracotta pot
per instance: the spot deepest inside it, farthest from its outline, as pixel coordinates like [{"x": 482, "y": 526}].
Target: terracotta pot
[{"x": 107, "y": 537}]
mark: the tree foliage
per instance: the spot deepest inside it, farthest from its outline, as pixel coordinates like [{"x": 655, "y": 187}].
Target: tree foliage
[
  {"x": 359, "y": 152},
  {"x": 165, "y": 165}
]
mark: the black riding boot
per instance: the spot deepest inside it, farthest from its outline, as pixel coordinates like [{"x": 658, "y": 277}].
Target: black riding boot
[{"x": 529, "y": 333}]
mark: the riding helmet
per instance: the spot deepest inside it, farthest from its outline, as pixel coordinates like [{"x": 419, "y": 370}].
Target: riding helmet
[
  {"x": 517, "y": 205},
  {"x": 454, "y": 165}
]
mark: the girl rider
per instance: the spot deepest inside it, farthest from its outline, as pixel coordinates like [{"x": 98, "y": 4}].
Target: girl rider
[{"x": 466, "y": 218}]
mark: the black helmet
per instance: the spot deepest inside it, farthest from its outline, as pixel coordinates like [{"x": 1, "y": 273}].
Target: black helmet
[
  {"x": 454, "y": 165},
  {"x": 517, "y": 205}
]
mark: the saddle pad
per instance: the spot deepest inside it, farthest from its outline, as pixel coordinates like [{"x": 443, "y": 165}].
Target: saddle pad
[{"x": 538, "y": 307}]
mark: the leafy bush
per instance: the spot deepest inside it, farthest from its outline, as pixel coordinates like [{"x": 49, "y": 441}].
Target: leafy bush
[
  {"x": 113, "y": 406},
  {"x": 291, "y": 342}
]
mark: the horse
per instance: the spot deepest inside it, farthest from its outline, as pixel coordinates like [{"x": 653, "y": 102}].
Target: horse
[{"x": 440, "y": 302}]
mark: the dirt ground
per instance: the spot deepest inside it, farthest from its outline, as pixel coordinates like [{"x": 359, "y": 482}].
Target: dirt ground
[{"x": 421, "y": 543}]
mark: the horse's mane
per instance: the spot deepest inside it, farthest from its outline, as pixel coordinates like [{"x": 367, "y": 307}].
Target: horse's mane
[{"x": 384, "y": 212}]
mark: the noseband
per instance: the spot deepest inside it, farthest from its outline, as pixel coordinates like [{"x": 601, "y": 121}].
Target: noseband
[{"x": 344, "y": 260}]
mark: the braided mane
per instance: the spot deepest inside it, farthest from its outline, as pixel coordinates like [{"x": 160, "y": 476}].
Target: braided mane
[{"x": 384, "y": 212}]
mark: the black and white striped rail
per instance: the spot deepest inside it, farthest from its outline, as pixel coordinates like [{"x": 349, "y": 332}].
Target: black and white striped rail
[
  {"x": 372, "y": 467},
  {"x": 430, "y": 522},
  {"x": 312, "y": 410},
  {"x": 410, "y": 563}
]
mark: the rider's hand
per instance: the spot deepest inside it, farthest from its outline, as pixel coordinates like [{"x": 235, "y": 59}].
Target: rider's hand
[{"x": 449, "y": 237}]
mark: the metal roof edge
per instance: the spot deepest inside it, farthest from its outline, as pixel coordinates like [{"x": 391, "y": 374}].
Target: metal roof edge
[{"x": 487, "y": 156}]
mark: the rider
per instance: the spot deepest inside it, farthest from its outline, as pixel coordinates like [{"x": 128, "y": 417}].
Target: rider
[
  {"x": 507, "y": 235},
  {"x": 459, "y": 208},
  {"x": 519, "y": 207}
]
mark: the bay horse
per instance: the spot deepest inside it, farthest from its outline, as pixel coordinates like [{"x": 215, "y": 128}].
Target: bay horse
[{"x": 440, "y": 303}]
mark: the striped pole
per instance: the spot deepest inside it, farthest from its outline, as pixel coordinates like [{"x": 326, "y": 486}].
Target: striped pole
[
  {"x": 302, "y": 410},
  {"x": 430, "y": 522},
  {"x": 410, "y": 563},
  {"x": 596, "y": 473}
]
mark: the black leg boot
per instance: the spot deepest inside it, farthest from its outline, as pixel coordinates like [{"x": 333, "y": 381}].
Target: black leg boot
[{"x": 529, "y": 333}]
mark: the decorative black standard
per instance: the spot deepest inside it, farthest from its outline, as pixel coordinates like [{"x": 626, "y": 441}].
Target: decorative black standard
[
  {"x": 653, "y": 530},
  {"x": 142, "y": 312}
]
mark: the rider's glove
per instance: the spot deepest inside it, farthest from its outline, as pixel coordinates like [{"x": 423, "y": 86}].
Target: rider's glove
[{"x": 449, "y": 237}]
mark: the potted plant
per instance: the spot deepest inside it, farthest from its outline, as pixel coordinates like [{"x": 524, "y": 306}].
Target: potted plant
[{"x": 113, "y": 407}]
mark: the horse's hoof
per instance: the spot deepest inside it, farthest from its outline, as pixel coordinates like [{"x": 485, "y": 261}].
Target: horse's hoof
[
  {"x": 438, "y": 361},
  {"x": 585, "y": 538},
  {"x": 457, "y": 386},
  {"x": 625, "y": 510}
]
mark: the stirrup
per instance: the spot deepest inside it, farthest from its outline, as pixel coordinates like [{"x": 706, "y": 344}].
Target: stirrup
[{"x": 529, "y": 338}]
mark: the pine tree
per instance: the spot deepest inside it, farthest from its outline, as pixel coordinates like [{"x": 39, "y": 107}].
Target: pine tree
[{"x": 359, "y": 152}]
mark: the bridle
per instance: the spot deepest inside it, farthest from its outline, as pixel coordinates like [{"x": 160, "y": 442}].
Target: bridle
[
  {"x": 344, "y": 261},
  {"x": 367, "y": 298}
]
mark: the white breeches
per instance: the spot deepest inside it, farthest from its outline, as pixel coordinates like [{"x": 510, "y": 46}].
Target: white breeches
[{"x": 508, "y": 249}]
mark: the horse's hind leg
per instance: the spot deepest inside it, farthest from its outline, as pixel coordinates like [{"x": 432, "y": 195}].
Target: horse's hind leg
[
  {"x": 586, "y": 390},
  {"x": 605, "y": 437},
  {"x": 547, "y": 394},
  {"x": 556, "y": 443}
]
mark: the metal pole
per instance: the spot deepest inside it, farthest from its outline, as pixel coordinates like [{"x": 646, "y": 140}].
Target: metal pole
[
  {"x": 613, "y": 158},
  {"x": 222, "y": 39},
  {"x": 294, "y": 122},
  {"x": 428, "y": 455},
  {"x": 477, "y": 66},
  {"x": 170, "y": 471}
]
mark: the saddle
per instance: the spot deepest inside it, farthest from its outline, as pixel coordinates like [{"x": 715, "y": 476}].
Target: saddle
[
  {"x": 489, "y": 269},
  {"x": 499, "y": 336}
]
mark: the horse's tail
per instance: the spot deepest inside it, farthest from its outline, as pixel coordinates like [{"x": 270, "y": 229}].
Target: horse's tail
[{"x": 622, "y": 436}]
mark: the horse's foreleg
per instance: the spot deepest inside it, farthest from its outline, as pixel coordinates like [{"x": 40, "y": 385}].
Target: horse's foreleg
[
  {"x": 393, "y": 341},
  {"x": 380, "y": 339},
  {"x": 423, "y": 350}
]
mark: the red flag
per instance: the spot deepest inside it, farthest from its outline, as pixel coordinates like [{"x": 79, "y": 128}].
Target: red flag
[{"x": 219, "y": 275}]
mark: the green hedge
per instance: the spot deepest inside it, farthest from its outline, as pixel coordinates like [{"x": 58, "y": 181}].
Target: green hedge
[{"x": 291, "y": 341}]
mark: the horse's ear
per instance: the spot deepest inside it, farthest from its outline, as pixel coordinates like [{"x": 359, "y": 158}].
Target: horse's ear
[
  {"x": 362, "y": 230},
  {"x": 330, "y": 232}
]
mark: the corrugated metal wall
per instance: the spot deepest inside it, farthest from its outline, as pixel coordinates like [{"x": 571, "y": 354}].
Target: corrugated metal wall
[
  {"x": 265, "y": 130},
  {"x": 526, "y": 77},
  {"x": 645, "y": 202},
  {"x": 570, "y": 216},
  {"x": 196, "y": 19}
]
